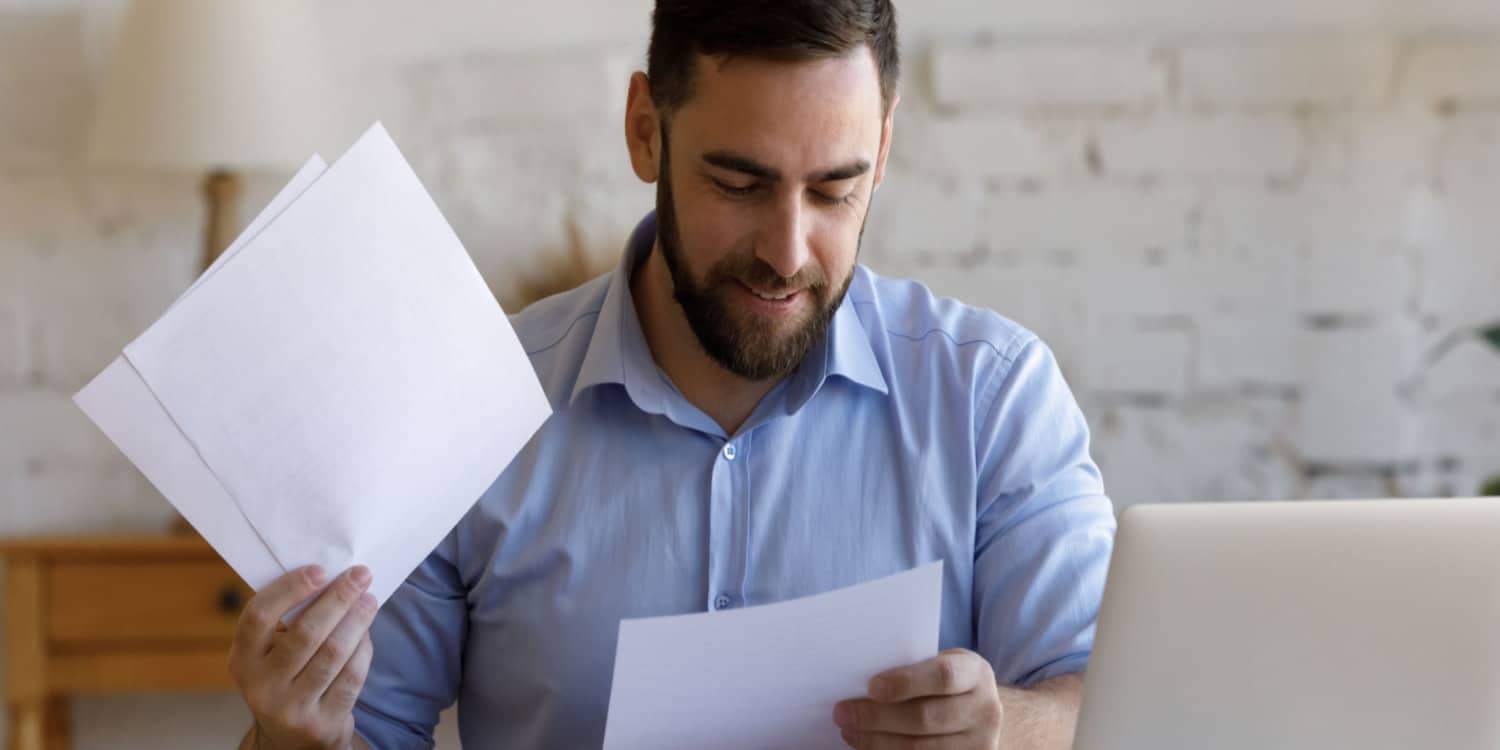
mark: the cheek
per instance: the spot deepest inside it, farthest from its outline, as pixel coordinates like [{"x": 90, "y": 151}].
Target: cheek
[
  {"x": 711, "y": 229},
  {"x": 834, "y": 246}
]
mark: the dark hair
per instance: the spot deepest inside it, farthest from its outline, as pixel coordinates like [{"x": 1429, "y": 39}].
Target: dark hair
[{"x": 793, "y": 30}]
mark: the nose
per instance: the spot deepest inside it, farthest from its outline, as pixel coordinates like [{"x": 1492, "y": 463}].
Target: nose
[{"x": 783, "y": 238}]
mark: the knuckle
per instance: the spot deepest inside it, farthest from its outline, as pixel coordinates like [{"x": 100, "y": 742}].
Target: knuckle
[
  {"x": 365, "y": 606},
  {"x": 259, "y": 701},
  {"x": 254, "y": 618},
  {"x": 310, "y": 578},
  {"x": 947, "y": 674},
  {"x": 236, "y": 669},
  {"x": 345, "y": 690},
  {"x": 863, "y": 715},
  {"x": 302, "y": 632},
  {"x": 931, "y": 715},
  {"x": 986, "y": 670},
  {"x": 348, "y": 592},
  {"x": 357, "y": 674},
  {"x": 331, "y": 655},
  {"x": 992, "y": 714}
]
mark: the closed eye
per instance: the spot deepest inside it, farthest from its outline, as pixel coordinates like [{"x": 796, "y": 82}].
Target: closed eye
[{"x": 737, "y": 191}]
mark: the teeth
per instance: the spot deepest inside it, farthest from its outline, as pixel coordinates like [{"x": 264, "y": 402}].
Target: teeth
[{"x": 771, "y": 298}]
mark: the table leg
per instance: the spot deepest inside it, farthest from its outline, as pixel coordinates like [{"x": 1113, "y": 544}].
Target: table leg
[
  {"x": 55, "y": 725},
  {"x": 39, "y": 725},
  {"x": 26, "y": 721}
]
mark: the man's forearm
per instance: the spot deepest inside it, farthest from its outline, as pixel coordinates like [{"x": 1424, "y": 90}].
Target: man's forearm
[{"x": 1042, "y": 717}]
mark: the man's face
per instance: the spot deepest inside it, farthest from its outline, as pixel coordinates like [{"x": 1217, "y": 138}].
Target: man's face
[{"x": 766, "y": 178}]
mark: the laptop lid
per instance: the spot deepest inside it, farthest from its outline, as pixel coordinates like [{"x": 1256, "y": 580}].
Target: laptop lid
[{"x": 1350, "y": 624}]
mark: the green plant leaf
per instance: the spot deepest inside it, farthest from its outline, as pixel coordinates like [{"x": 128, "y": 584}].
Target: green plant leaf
[
  {"x": 1491, "y": 488},
  {"x": 1492, "y": 335}
]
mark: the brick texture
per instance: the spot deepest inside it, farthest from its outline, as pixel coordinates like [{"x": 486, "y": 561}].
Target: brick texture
[
  {"x": 1272, "y": 72},
  {"x": 1067, "y": 76}
]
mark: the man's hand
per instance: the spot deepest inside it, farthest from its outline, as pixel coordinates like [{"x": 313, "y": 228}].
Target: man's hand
[
  {"x": 949, "y": 702},
  {"x": 301, "y": 681}
]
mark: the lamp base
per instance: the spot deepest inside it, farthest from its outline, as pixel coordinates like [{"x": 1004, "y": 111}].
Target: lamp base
[{"x": 221, "y": 191}]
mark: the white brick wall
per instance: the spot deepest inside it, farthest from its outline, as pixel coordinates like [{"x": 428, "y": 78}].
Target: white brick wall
[
  {"x": 1457, "y": 69},
  {"x": 1205, "y": 146},
  {"x": 479, "y": 90},
  {"x": 1238, "y": 241},
  {"x": 1068, "y": 76},
  {"x": 987, "y": 147},
  {"x": 1350, "y": 378},
  {"x": 1272, "y": 72},
  {"x": 45, "y": 94}
]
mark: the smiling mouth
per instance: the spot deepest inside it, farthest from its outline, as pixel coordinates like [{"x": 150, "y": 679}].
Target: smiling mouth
[
  {"x": 777, "y": 297},
  {"x": 780, "y": 295}
]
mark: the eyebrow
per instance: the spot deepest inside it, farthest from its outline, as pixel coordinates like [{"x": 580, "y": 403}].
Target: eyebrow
[{"x": 745, "y": 165}]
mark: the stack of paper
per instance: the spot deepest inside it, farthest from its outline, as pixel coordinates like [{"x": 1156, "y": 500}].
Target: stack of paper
[{"x": 339, "y": 388}]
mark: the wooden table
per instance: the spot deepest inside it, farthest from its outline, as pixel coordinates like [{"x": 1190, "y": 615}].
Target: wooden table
[{"x": 111, "y": 614}]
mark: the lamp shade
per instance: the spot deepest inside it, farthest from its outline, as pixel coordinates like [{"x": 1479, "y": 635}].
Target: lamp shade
[{"x": 215, "y": 84}]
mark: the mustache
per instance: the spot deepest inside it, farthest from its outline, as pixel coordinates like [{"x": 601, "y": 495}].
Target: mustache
[{"x": 758, "y": 274}]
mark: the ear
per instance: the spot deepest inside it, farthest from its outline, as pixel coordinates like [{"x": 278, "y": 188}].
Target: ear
[
  {"x": 643, "y": 129},
  {"x": 886, "y": 129}
]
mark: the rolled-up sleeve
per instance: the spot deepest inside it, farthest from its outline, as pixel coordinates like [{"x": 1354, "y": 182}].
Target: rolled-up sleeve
[
  {"x": 417, "y": 670},
  {"x": 1045, "y": 528}
]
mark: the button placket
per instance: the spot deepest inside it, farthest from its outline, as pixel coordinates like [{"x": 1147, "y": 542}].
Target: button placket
[{"x": 721, "y": 530}]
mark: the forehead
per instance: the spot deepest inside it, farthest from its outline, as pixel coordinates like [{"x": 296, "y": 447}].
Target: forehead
[{"x": 786, "y": 111}]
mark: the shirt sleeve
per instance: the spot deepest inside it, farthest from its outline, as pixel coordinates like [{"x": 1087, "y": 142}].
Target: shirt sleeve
[
  {"x": 1045, "y": 528},
  {"x": 417, "y": 668}
]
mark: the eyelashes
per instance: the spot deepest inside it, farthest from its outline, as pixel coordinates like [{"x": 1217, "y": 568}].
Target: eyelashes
[{"x": 749, "y": 191}]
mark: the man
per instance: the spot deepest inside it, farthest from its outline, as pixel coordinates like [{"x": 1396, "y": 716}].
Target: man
[{"x": 743, "y": 415}]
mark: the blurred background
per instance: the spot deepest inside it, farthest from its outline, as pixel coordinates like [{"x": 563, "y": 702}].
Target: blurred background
[{"x": 1263, "y": 238}]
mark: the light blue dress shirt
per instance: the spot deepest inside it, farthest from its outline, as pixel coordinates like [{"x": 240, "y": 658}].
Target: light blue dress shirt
[{"x": 919, "y": 429}]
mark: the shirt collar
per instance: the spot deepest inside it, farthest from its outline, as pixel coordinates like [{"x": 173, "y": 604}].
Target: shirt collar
[
  {"x": 618, "y": 354},
  {"x": 846, "y": 350}
]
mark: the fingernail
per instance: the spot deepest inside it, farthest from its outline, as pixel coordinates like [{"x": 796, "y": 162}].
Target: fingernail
[
  {"x": 317, "y": 575},
  {"x": 880, "y": 687},
  {"x": 360, "y": 575},
  {"x": 843, "y": 715}
]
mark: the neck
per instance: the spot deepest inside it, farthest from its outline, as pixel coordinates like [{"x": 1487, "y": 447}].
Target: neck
[{"x": 725, "y": 397}]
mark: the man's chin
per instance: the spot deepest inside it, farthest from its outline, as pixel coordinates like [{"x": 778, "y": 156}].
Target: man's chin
[{"x": 769, "y": 332}]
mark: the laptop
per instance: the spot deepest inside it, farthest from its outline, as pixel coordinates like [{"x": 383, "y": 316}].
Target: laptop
[{"x": 1370, "y": 624}]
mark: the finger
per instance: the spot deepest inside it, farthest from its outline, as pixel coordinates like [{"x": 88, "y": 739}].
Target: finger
[
  {"x": 920, "y": 716},
  {"x": 342, "y": 694},
  {"x": 330, "y": 657},
  {"x": 291, "y": 650},
  {"x": 949, "y": 673},
  {"x": 885, "y": 741},
  {"x": 262, "y": 614}
]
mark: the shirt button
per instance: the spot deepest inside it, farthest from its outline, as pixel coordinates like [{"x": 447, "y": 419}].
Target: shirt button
[
  {"x": 722, "y": 602},
  {"x": 730, "y": 452}
]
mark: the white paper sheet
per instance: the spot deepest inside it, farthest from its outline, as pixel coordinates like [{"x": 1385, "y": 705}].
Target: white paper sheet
[
  {"x": 123, "y": 407},
  {"x": 305, "y": 177},
  {"x": 767, "y": 677},
  {"x": 118, "y": 401},
  {"x": 348, "y": 376}
]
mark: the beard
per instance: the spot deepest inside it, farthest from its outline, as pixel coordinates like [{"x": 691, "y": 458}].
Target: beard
[{"x": 738, "y": 340}]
